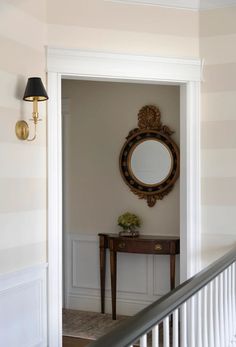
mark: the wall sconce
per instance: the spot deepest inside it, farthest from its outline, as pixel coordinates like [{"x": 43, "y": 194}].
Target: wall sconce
[{"x": 34, "y": 92}]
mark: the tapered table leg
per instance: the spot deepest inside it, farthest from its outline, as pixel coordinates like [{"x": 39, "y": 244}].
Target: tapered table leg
[
  {"x": 102, "y": 271},
  {"x": 172, "y": 271},
  {"x": 113, "y": 261}
]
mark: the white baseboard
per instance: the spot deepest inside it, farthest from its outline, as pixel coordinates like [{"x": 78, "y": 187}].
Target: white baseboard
[
  {"x": 23, "y": 308},
  {"x": 141, "y": 279},
  {"x": 89, "y": 303}
]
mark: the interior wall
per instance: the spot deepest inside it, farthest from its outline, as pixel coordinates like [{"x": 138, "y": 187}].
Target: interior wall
[
  {"x": 23, "y": 165},
  {"x": 123, "y": 28},
  {"x": 101, "y": 116},
  {"x": 110, "y": 26},
  {"x": 25, "y": 28},
  {"x": 217, "y": 48},
  {"x": 97, "y": 117}
]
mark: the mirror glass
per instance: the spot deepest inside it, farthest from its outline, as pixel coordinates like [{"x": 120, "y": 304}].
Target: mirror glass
[{"x": 151, "y": 162}]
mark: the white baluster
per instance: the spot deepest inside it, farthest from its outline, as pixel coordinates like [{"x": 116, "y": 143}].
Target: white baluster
[
  {"x": 155, "y": 336},
  {"x": 205, "y": 320},
  {"x": 233, "y": 298},
  {"x": 216, "y": 312},
  {"x": 143, "y": 341},
  {"x": 192, "y": 321},
  {"x": 210, "y": 315},
  {"x": 221, "y": 310},
  {"x": 225, "y": 305},
  {"x": 233, "y": 303},
  {"x": 199, "y": 319},
  {"x": 230, "y": 304},
  {"x": 183, "y": 325},
  {"x": 176, "y": 328},
  {"x": 166, "y": 332}
]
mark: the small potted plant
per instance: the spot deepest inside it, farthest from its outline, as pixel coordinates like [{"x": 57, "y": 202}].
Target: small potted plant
[{"x": 129, "y": 222}]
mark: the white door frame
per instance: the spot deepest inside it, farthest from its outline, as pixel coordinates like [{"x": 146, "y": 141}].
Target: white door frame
[{"x": 66, "y": 63}]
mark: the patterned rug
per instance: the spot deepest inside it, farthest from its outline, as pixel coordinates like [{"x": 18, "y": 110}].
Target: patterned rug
[
  {"x": 92, "y": 325},
  {"x": 88, "y": 325}
]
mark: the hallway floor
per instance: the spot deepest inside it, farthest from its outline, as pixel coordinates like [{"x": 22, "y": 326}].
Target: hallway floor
[
  {"x": 81, "y": 327},
  {"x": 74, "y": 342},
  {"x": 87, "y": 325}
]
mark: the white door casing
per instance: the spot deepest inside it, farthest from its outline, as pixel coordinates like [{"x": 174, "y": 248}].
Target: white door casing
[{"x": 77, "y": 64}]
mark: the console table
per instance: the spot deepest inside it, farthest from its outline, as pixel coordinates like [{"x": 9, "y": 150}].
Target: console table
[{"x": 144, "y": 244}]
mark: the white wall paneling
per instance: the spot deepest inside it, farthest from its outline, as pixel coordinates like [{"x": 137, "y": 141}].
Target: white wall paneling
[
  {"x": 23, "y": 299},
  {"x": 149, "y": 280}
]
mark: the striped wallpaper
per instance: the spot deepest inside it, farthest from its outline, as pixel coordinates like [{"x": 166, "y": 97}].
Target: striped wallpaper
[
  {"x": 120, "y": 27},
  {"x": 218, "y": 49},
  {"x": 27, "y": 26},
  {"x": 23, "y": 165}
]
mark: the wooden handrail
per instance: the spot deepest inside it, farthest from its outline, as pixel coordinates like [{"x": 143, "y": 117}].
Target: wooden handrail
[{"x": 130, "y": 330}]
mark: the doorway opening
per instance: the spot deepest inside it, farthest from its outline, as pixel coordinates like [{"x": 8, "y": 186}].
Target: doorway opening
[
  {"x": 96, "y": 118},
  {"x": 89, "y": 66}
]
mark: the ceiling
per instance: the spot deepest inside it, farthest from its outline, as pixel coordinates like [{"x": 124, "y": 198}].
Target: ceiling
[{"x": 184, "y": 4}]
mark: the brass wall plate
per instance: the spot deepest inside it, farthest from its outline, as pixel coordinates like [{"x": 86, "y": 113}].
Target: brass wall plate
[{"x": 22, "y": 130}]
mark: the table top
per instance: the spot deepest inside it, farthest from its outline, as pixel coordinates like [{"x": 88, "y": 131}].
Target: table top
[{"x": 142, "y": 237}]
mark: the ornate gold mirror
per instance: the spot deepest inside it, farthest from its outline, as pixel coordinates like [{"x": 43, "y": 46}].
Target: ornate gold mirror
[{"x": 149, "y": 159}]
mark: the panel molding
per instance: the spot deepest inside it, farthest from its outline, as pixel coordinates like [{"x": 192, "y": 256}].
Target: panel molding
[
  {"x": 79, "y": 295},
  {"x": 24, "y": 300}
]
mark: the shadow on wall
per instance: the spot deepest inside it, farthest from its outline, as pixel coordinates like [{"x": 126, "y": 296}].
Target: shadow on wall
[{"x": 19, "y": 92}]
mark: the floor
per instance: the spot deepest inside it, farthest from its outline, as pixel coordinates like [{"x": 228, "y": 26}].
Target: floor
[
  {"x": 81, "y": 327},
  {"x": 74, "y": 342},
  {"x": 88, "y": 325}
]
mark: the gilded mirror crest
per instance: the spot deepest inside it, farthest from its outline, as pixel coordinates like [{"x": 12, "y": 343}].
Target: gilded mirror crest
[{"x": 149, "y": 159}]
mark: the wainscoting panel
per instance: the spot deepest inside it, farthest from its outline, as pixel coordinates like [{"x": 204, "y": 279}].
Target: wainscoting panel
[
  {"x": 141, "y": 279},
  {"x": 23, "y": 307},
  {"x": 84, "y": 270}
]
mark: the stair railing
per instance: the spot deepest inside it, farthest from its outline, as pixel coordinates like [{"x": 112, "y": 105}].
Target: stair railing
[{"x": 201, "y": 312}]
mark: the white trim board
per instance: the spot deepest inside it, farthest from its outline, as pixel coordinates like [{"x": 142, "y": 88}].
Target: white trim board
[
  {"x": 100, "y": 66},
  {"x": 181, "y": 4},
  {"x": 103, "y": 66}
]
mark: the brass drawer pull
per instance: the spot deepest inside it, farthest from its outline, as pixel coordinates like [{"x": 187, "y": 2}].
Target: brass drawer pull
[
  {"x": 121, "y": 245},
  {"x": 158, "y": 247}
]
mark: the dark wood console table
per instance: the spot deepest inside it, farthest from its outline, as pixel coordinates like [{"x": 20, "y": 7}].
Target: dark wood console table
[{"x": 144, "y": 244}]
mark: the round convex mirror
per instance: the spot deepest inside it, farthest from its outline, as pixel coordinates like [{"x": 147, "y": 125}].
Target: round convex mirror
[
  {"x": 151, "y": 162},
  {"x": 149, "y": 159}
]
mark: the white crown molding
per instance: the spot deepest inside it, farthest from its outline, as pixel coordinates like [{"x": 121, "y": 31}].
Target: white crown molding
[
  {"x": 211, "y": 4},
  {"x": 182, "y": 4}
]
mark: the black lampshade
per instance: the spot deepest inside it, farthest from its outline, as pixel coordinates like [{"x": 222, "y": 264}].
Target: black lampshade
[{"x": 35, "y": 89}]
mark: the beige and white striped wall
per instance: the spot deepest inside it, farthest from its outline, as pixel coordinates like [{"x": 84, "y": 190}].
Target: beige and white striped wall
[
  {"x": 218, "y": 49},
  {"x": 123, "y": 27},
  {"x": 23, "y": 165},
  {"x": 26, "y": 27}
]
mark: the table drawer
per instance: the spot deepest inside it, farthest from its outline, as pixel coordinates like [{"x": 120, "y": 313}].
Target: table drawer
[{"x": 136, "y": 246}]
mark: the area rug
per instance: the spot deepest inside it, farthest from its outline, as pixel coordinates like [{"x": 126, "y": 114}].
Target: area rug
[
  {"x": 88, "y": 325},
  {"x": 92, "y": 325}
]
